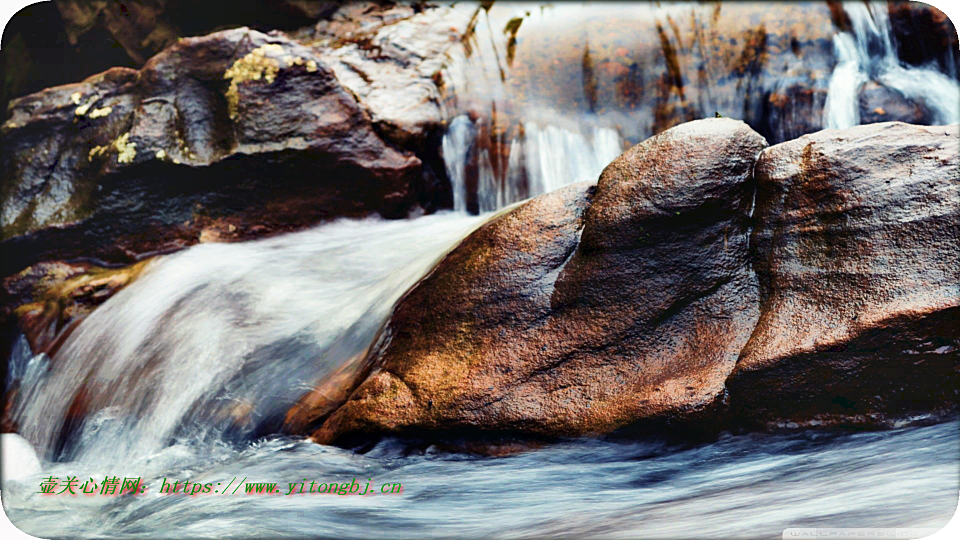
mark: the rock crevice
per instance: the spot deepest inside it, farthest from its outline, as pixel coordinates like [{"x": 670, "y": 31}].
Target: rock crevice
[{"x": 708, "y": 280}]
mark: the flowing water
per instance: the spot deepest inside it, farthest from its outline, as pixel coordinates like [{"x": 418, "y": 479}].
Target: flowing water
[
  {"x": 187, "y": 373},
  {"x": 542, "y": 96},
  {"x": 867, "y": 53}
]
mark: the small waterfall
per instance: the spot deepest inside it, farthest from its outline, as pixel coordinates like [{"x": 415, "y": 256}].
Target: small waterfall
[
  {"x": 540, "y": 160},
  {"x": 867, "y": 53},
  {"x": 215, "y": 343},
  {"x": 497, "y": 154}
]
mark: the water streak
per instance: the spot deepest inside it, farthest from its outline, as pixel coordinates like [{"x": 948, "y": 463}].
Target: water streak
[
  {"x": 867, "y": 53},
  {"x": 219, "y": 340}
]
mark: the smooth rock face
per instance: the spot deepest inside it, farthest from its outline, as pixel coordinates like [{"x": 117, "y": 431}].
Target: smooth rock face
[
  {"x": 392, "y": 61},
  {"x": 252, "y": 128},
  {"x": 526, "y": 327},
  {"x": 858, "y": 252}
]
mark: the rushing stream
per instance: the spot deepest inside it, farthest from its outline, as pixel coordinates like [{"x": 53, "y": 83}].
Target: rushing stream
[{"x": 187, "y": 373}]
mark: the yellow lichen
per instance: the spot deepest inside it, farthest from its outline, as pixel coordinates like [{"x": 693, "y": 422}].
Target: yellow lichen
[
  {"x": 97, "y": 151},
  {"x": 254, "y": 66},
  {"x": 126, "y": 150},
  {"x": 291, "y": 61},
  {"x": 82, "y": 110},
  {"x": 75, "y": 97},
  {"x": 97, "y": 113},
  {"x": 311, "y": 65},
  {"x": 161, "y": 154}
]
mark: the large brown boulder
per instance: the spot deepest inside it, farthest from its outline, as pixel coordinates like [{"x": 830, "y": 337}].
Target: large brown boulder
[
  {"x": 858, "y": 253},
  {"x": 251, "y": 128},
  {"x": 568, "y": 317}
]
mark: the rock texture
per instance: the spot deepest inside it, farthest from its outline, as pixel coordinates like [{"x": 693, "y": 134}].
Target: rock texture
[
  {"x": 563, "y": 319},
  {"x": 640, "y": 302},
  {"x": 391, "y": 61},
  {"x": 239, "y": 125},
  {"x": 48, "y": 300},
  {"x": 858, "y": 253}
]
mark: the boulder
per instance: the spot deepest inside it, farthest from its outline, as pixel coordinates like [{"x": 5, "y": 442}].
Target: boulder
[
  {"x": 393, "y": 66},
  {"x": 582, "y": 311},
  {"x": 880, "y": 103},
  {"x": 858, "y": 253},
  {"x": 238, "y": 131}
]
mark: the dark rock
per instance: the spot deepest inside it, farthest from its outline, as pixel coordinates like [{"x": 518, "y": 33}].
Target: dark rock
[
  {"x": 236, "y": 126},
  {"x": 879, "y": 103},
  {"x": 48, "y": 300},
  {"x": 924, "y": 34},
  {"x": 858, "y": 254},
  {"x": 526, "y": 327}
]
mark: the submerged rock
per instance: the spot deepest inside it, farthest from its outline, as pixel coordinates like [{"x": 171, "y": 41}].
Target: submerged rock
[
  {"x": 526, "y": 327},
  {"x": 48, "y": 300},
  {"x": 858, "y": 253}
]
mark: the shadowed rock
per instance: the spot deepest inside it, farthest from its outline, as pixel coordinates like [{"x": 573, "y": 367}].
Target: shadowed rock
[
  {"x": 858, "y": 254},
  {"x": 524, "y": 327},
  {"x": 237, "y": 124}
]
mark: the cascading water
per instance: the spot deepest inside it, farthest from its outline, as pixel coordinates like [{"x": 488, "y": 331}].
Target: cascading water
[
  {"x": 867, "y": 53},
  {"x": 544, "y": 96},
  {"x": 219, "y": 341},
  {"x": 187, "y": 373}
]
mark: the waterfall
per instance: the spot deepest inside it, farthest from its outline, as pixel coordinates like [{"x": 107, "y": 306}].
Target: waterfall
[
  {"x": 218, "y": 341},
  {"x": 867, "y": 53},
  {"x": 538, "y": 98},
  {"x": 542, "y": 159},
  {"x": 496, "y": 154}
]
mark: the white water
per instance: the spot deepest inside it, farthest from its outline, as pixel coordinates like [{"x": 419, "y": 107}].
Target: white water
[
  {"x": 868, "y": 54},
  {"x": 219, "y": 340},
  {"x": 750, "y": 486},
  {"x": 548, "y": 158},
  {"x": 191, "y": 368},
  {"x": 555, "y": 148}
]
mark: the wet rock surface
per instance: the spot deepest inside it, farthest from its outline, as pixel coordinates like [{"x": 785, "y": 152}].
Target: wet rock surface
[
  {"x": 858, "y": 254},
  {"x": 532, "y": 328},
  {"x": 236, "y": 126},
  {"x": 879, "y": 103},
  {"x": 924, "y": 33},
  {"x": 48, "y": 300},
  {"x": 641, "y": 302}
]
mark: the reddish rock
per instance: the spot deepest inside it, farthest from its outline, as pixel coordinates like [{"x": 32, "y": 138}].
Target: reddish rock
[
  {"x": 858, "y": 254},
  {"x": 526, "y": 328}
]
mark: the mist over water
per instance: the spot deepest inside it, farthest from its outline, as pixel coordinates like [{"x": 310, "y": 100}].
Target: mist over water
[{"x": 188, "y": 372}]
